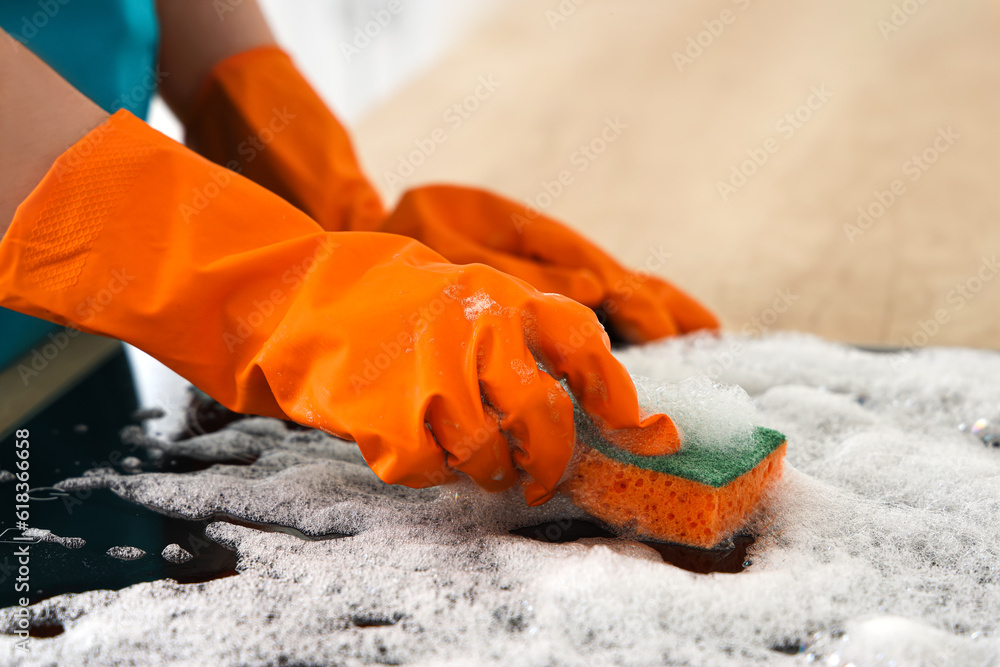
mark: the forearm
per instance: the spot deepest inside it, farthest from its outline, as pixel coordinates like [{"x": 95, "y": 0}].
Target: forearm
[
  {"x": 195, "y": 36},
  {"x": 256, "y": 114},
  {"x": 41, "y": 115}
]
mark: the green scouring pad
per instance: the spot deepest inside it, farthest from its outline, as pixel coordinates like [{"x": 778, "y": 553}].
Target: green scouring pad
[{"x": 697, "y": 496}]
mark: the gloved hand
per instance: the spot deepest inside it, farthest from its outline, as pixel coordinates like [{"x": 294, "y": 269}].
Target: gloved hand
[
  {"x": 429, "y": 366},
  {"x": 470, "y": 225},
  {"x": 255, "y": 114},
  {"x": 310, "y": 162}
]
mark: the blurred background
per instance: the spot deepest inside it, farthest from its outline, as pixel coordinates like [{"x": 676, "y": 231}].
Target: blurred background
[
  {"x": 825, "y": 167},
  {"x": 830, "y": 160}
]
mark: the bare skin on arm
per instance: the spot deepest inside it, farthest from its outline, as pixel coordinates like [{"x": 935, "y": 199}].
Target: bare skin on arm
[
  {"x": 195, "y": 36},
  {"x": 41, "y": 115}
]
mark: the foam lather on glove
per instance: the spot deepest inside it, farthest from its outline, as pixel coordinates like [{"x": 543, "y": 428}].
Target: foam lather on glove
[
  {"x": 310, "y": 162},
  {"x": 429, "y": 366}
]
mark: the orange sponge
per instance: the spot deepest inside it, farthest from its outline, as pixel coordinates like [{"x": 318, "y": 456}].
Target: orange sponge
[{"x": 697, "y": 496}]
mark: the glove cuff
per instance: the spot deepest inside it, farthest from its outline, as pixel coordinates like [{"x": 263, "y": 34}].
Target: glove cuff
[
  {"x": 122, "y": 237},
  {"x": 257, "y": 115}
]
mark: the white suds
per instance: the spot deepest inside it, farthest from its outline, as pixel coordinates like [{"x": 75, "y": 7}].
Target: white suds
[
  {"x": 175, "y": 553},
  {"x": 477, "y": 304},
  {"x": 715, "y": 414},
  {"x": 48, "y": 536},
  {"x": 524, "y": 371},
  {"x": 126, "y": 553},
  {"x": 879, "y": 547}
]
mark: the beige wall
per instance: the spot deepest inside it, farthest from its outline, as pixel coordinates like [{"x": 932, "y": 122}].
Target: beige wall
[{"x": 891, "y": 94}]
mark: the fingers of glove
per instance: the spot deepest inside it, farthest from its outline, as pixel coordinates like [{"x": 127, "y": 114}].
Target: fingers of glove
[
  {"x": 470, "y": 232},
  {"x": 639, "y": 315},
  {"x": 649, "y": 308},
  {"x": 689, "y": 314},
  {"x": 498, "y": 224},
  {"x": 471, "y": 438},
  {"x": 579, "y": 284},
  {"x": 573, "y": 344},
  {"x": 412, "y": 460},
  {"x": 537, "y": 413}
]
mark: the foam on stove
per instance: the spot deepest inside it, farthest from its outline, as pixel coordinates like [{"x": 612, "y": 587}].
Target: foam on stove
[{"x": 885, "y": 529}]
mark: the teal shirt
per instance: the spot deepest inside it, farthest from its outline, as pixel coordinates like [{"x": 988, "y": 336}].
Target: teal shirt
[{"x": 107, "y": 50}]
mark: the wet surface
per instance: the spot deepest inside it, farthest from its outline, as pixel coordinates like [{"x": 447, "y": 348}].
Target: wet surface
[
  {"x": 730, "y": 558},
  {"x": 74, "y": 435},
  {"x": 79, "y": 432},
  {"x": 56, "y": 569},
  {"x": 846, "y": 538}
]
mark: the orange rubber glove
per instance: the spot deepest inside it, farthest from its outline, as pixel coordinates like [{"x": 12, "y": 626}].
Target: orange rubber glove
[
  {"x": 255, "y": 114},
  {"x": 309, "y": 161},
  {"x": 470, "y": 225},
  {"x": 429, "y": 366}
]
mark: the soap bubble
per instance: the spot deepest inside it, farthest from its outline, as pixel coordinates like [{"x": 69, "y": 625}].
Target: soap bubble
[
  {"x": 713, "y": 413},
  {"x": 880, "y": 544}
]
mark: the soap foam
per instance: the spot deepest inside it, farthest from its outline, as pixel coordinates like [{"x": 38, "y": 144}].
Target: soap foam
[
  {"x": 884, "y": 530},
  {"x": 175, "y": 553},
  {"x": 43, "y": 535},
  {"x": 713, "y": 413},
  {"x": 126, "y": 553}
]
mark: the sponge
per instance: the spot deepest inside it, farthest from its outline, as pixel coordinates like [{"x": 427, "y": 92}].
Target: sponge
[{"x": 698, "y": 496}]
